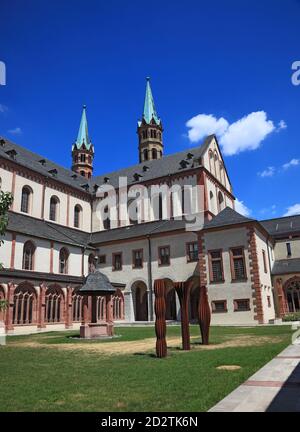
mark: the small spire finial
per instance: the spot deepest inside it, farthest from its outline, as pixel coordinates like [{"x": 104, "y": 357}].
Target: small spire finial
[
  {"x": 147, "y": 78},
  {"x": 84, "y": 106}
]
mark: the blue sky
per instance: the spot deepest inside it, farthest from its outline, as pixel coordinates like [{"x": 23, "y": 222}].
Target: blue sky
[{"x": 215, "y": 62}]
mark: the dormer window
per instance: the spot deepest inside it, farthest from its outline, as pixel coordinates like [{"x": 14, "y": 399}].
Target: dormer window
[
  {"x": 137, "y": 176},
  {"x": 85, "y": 186},
  {"x": 106, "y": 179},
  {"x": 42, "y": 162},
  {"x": 145, "y": 168},
  {"x": 183, "y": 164},
  {"x": 53, "y": 172},
  {"x": 12, "y": 153},
  {"x": 2, "y": 142},
  {"x": 74, "y": 176},
  {"x": 189, "y": 156}
]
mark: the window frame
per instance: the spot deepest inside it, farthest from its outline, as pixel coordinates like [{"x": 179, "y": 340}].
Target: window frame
[
  {"x": 235, "y": 305},
  {"x": 213, "y": 306},
  {"x": 264, "y": 261},
  {"x": 210, "y": 261},
  {"x": 114, "y": 254},
  {"x": 233, "y": 276},
  {"x": 188, "y": 259},
  {"x": 134, "y": 266},
  {"x": 29, "y": 199},
  {"x": 66, "y": 261},
  {"x": 288, "y": 249},
  {"x": 33, "y": 249},
  {"x": 102, "y": 256},
  {"x": 160, "y": 264}
]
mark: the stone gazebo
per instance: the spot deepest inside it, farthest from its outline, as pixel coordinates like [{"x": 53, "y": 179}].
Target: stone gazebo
[{"x": 97, "y": 288}]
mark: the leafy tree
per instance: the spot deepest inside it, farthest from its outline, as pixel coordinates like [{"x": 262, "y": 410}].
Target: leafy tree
[{"x": 6, "y": 200}]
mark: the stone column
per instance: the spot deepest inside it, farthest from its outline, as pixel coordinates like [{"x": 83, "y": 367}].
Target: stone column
[
  {"x": 109, "y": 315},
  {"x": 85, "y": 315},
  {"x": 9, "y": 327},
  {"x": 69, "y": 318},
  {"x": 282, "y": 309},
  {"x": 42, "y": 306}
]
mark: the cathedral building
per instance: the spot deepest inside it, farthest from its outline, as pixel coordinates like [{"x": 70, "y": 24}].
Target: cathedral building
[{"x": 55, "y": 238}]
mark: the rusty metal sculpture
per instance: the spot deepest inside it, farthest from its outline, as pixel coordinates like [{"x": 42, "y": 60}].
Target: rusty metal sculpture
[
  {"x": 204, "y": 315},
  {"x": 160, "y": 321},
  {"x": 183, "y": 292}
]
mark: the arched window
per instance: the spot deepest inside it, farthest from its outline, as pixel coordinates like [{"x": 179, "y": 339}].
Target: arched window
[
  {"x": 221, "y": 202},
  {"x": 26, "y": 199},
  {"x": 25, "y": 305},
  {"x": 63, "y": 261},
  {"x": 82, "y": 173},
  {"x": 144, "y": 134},
  {"x": 54, "y": 302},
  {"x": 101, "y": 309},
  {"x": 132, "y": 212},
  {"x": 118, "y": 305},
  {"x": 28, "y": 256},
  {"x": 92, "y": 263},
  {"x": 145, "y": 154},
  {"x": 77, "y": 306},
  {"x": 54, "y": 207},
  {"x": 212, "y": 202},
  {"x": 82, "y": 158},
  {"x": 77, "y": 216},
  {"x": 154, "y": 153},
  {"x": 210, "y": 157},
  {"x": 154, "y": 134}
]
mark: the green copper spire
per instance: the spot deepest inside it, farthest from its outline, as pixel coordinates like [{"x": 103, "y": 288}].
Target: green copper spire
[
  {"x": 149, "y": 107},
  {"x": 83, "y": 135}
]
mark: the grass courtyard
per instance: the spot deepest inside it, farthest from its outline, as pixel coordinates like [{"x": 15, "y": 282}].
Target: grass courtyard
[{"x": 56, "y": 372}]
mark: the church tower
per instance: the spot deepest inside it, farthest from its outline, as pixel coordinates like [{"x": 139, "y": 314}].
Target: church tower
[
  {"x": 150, "y": 130},
  {"x": 83, "y": 150}
]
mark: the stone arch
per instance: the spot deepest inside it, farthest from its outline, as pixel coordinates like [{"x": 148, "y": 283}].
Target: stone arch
[
  {"x": 25, "y": 304},
  {"x": 140, "y": 300},
  {"x": 77, "y": 305},
  {"x": 292, "y": 293},
  {"x": 54, "y": 304},
  {"x": 118, "y": 305}
]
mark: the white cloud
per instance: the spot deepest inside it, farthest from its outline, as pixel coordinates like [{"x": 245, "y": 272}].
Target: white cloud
[
  {"x": 281, "y": 125},
  {"x": 15, "y": 131},
  {"x": 205, "y": 124},
  {"x": 3, "y": 108},
  {"x": 291, "y": 163},
  {"x": 268, "y": 172},
  {"x": 244, "y": 134},
  {"x": 293, "y": 210},
  {"x": 241, "y": 208}
]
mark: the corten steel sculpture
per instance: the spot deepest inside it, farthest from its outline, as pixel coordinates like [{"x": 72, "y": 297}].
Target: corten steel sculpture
[
  {"x": 160, "y": 321},
  {"x": 183, "y": 292},
  {"x": 204, "y": 315},
  {"x": 96, "y": 284}
]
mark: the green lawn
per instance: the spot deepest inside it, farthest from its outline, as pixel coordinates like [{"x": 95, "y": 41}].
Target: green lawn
[{"x": 38, "y": 373}]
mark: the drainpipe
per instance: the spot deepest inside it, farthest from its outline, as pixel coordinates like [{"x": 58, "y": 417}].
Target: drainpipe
[{"x": 150, "y": 277}]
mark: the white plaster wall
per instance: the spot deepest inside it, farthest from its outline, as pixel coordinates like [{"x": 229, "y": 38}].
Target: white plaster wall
[
  {"x": 74, "y": 262},
  {"x": 281, "y": 251},
  {"x": 62, "y": 208},
  {"x": 229, "y": 290},
  {"x": 86, "y": 215},
  {"x": 36, "y": 199},
  {"x": 5, "y": 250},
  {"x": 6, "y": 178},
  {"x": 265, "y": 278},
  {"x": 41, "y": 257}
]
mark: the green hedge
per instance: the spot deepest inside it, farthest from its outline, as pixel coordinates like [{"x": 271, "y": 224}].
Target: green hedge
[{"x": 292, "y": 317}]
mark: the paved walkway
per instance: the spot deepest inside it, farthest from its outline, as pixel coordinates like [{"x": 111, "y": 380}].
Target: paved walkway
[{"x": 274, "y": 388}]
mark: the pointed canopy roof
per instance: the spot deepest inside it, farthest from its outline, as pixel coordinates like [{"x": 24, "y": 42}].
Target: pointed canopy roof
[
  {"x": 149, "y": 112},
  {"x": 83, "y": 135}
]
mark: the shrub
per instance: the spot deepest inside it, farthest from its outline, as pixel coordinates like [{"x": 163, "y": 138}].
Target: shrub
[{"x": 295, "y": 316}]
